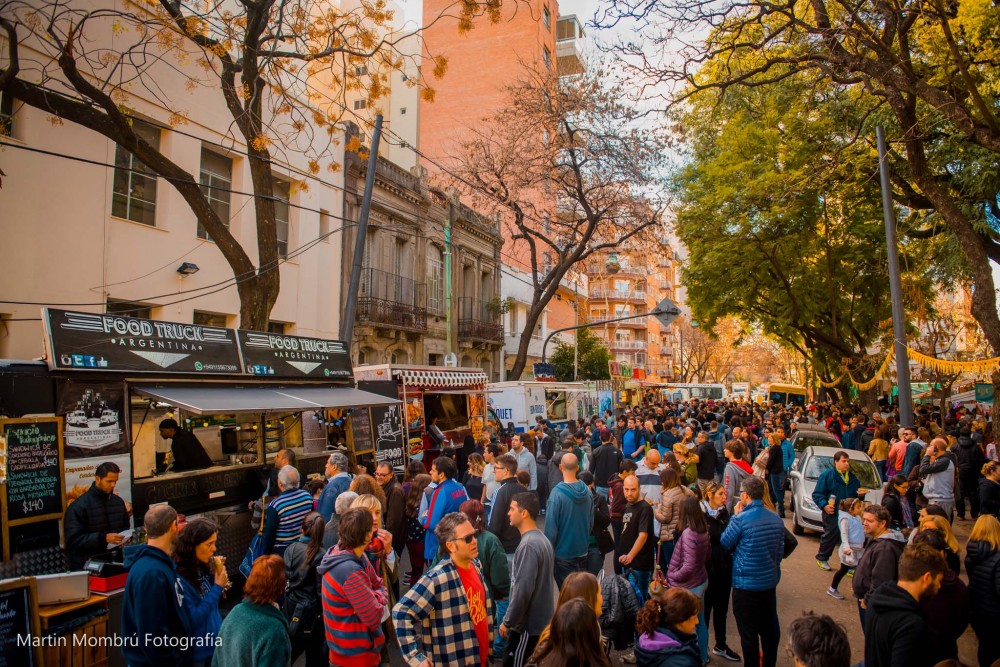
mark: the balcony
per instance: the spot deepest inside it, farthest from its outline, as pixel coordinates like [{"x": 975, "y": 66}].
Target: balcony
[
  {"x": 617, "y": 295},
  {"x": 569, "y": 46},
  {"x": 627, "y": 345},
  {"x": 666, "y": 351},
  {"x": 388, "y": 300},
  {"x": 478, "y": 321}
]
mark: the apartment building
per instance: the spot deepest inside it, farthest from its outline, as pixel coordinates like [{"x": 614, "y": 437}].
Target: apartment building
[{"x": 406, "y": 303}]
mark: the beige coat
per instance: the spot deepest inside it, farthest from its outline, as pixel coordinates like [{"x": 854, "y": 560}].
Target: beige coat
[{"x": 669, "y": 511}]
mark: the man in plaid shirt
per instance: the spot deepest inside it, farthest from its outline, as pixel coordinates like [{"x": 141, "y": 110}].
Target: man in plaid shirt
[{"x": 446, "y": 618}]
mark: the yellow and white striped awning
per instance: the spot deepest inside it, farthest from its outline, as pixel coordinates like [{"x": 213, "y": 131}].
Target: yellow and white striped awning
[{"x": 441, "y": 379}]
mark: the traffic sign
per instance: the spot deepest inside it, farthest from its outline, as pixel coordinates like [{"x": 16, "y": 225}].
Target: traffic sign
[{"x": 666, "y": 312}]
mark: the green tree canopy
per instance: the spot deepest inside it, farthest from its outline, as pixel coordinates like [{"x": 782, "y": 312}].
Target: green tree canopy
[{"x": 592, "y": 362}]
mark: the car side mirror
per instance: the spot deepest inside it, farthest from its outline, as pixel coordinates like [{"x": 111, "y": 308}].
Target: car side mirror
[{"x": 795, "y": 474}]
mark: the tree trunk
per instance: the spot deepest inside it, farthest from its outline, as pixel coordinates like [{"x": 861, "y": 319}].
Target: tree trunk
[{"x": 531, "y": 320}]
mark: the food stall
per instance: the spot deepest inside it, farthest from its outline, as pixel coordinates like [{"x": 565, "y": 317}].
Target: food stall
[
  {"x": 111, "y": 379},
  {"x": 520, "y": 401},
  {"x": 456, "y": 396}
]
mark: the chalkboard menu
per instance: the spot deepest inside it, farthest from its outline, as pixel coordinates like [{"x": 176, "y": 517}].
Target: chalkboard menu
[
  {"x": 361, "y": 430},
  {"x": 34, "y": 489},
  {"x": 18, "y": 621},
  {"x": 389, "y": 444}
]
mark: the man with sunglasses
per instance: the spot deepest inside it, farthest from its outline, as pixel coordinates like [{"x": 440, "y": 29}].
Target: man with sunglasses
[{"x": 455, "y": 595}]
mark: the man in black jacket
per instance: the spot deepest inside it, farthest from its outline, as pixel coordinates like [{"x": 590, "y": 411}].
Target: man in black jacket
[
  {"x": 505, "y": 469},
  {"x": 188, "y": 452},
  {"x": 604, "y": 462},
  {"x": 93, "y": 520},
  {"x": 970, "y": 461},
  {"x": 896, "y": 632}
]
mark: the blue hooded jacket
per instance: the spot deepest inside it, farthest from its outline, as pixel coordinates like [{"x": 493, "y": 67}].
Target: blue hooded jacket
[
  {"x": 446, "y": 498},
  {"x": 570, "y": 519},
  {"x": 201, "y": 612},
  {"x": 151, "y": 608}
]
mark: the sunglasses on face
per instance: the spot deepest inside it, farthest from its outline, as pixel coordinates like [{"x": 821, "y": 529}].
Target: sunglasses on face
[{"x": 467, "y": 539}]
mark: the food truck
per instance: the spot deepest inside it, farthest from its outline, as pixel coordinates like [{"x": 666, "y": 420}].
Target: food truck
[
  {"x": 519, "y": 402},
  {"x": 456, "y": 396},
  {"x": 109, "y": 380}
]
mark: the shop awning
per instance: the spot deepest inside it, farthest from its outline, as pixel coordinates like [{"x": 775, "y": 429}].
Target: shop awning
[
  {"x": 206, "y": 400},
  {"x": 441, "y": 379}
]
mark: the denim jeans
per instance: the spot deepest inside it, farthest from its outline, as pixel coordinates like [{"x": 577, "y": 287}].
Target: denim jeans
[
  {"x": 776, "y": 481},
  {"x": 499, "y": 643},
  {"x": 567, "y": 566},
  {"x": 595, "y": 561},
  {"x": 640, "y": 580},
  {"x": 702, "y": 628}
]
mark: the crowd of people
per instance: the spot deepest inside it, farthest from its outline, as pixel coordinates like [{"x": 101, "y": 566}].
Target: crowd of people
[{"x": 507, "y": 548}]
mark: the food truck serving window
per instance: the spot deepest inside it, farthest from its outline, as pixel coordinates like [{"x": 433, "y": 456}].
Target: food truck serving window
[{"x": 452, "y": 410}]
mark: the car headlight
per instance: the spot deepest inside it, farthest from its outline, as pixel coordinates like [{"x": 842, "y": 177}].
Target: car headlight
[{"x": 808, "y": 504}]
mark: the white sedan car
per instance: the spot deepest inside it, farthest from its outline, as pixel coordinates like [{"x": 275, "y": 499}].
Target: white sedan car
[{"x": 805, "y": 473}]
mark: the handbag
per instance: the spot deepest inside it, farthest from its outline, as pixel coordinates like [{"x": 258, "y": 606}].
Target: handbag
[
  {"x": 658, "y": 582},
  {"x": 254, "y": 551},
  {"x": 790, "y": 544}
]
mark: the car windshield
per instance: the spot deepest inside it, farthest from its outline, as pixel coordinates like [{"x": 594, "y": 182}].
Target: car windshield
[
  {"x": 864, "y": 471},
  {"x": 802, "y": 442}
]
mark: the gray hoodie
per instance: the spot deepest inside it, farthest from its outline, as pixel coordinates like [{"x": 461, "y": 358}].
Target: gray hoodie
[{"x": 533, "y": 586}]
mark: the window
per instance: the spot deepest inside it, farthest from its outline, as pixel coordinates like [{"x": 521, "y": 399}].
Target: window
[
  {"x": 276, "y": 327},
  {"x": 360, "y": 104},
  {"x": 282, "y": 193},
  {"x": 622, "y": 310},
  {"x": 434, "y": 360},
  {"x": 216, "y": 182},
  {"x": 128, "y": 309},
  {"x": 435, "y": 279},
  {"x": 6, "y": 114},
  {"x": 547, "y": 18},
  {"x": 362, "y": 357},
  {"x": 325, "y": 226},
  {"x": 402, "y": 111},
  {"x": 134, "y": 195},
  {"x": 204, "y": 319},
  {"x": 547, "y": 56},
  {"x": 361, "y": 70}
]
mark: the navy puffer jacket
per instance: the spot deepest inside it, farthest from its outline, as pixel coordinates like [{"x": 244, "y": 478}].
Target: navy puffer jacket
[{"x": 756, "y": 538}]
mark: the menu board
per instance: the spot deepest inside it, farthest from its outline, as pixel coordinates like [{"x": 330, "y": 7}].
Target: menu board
[
  {"x": 18, "y": 621},
  {"x": 389, "y": 445},
  {"x": 34, "y": 489},
  {"x": 361, "y": 430}
]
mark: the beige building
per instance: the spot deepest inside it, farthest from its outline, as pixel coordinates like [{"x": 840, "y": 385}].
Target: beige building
[
  {"x": 403, "y": 314},
  {"x": 93, "y": 236}
]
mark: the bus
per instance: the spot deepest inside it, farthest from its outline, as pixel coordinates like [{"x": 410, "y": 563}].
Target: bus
[
  {"x": 680, "y": 391},
  {"x": 786, "y": 394},
  {"x": 740, "y": 391}
]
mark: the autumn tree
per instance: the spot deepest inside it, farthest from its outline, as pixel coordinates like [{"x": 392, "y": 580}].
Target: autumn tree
[
  {"x": 568, "y": 166},
  {"x": 930, "y": 68},
  {"x": 90, "y": 63}
]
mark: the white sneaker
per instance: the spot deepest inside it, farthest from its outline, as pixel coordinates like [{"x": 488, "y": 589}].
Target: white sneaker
[
  {"x": 824, "y": 565},
  {"x": 629, "y": 658},
  {"x": 834, "y": 593}
]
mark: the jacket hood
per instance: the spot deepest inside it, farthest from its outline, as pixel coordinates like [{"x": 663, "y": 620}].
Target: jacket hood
[
  {"x": 659, "y": 641},
  {"x": 889, "y": 597},
  {"x": 894, "y": 535},
  {"x": 577, "y": 492},
  {"x": 965, "y": 442},
  {"x": 137, "y": 552},
  {"x": 335, "y": 557},
  {"x": 743, "y": 465}
]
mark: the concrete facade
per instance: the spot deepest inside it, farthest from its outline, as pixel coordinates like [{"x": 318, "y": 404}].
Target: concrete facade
[{"x": 403, "y": 303}]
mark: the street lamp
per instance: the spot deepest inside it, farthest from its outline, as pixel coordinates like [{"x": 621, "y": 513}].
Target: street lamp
[{"x": 613, "y": 265}]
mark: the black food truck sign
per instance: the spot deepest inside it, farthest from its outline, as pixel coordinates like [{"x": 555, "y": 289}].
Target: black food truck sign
[
  {"x": 110, "y": 342},
  {"x": 277, "y": 355}
]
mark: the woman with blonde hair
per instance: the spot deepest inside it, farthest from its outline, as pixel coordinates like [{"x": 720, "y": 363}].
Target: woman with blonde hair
[
  {"x": 689, "y": 464},
  {"x": 989, "y": 489},
  {"x": 940, "y": 524},
  {"x": 578, "y": 585},
  {"x": 379, "y": 550},
  {"x": 982, "y": 564},
  {"x": 473, "y": 478}
]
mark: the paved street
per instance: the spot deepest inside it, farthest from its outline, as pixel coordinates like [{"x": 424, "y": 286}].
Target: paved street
[{"x": 803, "y": 588}]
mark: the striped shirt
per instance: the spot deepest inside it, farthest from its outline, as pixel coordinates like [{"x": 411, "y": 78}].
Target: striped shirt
[
  {"x": 353, "y": 598},
  {"x": 290, "y": 508}
]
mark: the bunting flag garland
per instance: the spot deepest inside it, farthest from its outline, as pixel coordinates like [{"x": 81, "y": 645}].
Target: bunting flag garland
[{"x": 980, "y": 368}]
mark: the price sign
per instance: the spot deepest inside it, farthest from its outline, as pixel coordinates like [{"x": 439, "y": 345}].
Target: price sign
[{"x": 34, "y": 489}]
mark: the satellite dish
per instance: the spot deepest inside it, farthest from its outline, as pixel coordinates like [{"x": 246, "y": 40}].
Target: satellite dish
[{"x": 451, "y": 360}]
